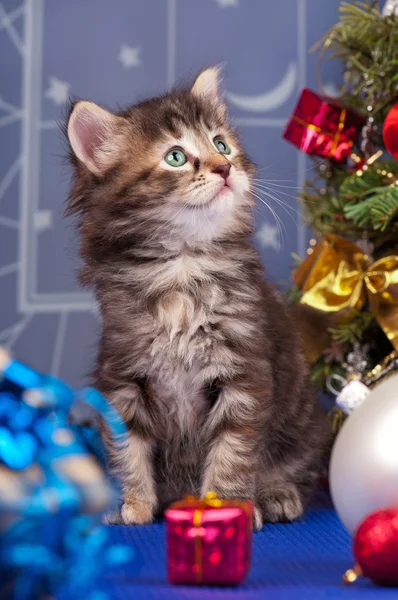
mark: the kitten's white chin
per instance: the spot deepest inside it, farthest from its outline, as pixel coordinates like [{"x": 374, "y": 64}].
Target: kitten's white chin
[
  {"x": 202, "y": 222},
  {"x": 223, "y": 192}
]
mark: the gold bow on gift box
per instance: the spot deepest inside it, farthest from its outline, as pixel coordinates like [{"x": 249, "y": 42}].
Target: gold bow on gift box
[{"x": 338, "y": 278}]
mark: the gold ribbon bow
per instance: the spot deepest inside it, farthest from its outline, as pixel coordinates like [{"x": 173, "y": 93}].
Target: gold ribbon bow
[{"x": 338, "y": 278}]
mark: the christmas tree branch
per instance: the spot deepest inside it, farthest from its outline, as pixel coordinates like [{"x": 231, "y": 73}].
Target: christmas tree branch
[
  {"x": 353, "y": 330},
  {"x": 366, "y": 42},
  {"x": 377, "y": 211}
]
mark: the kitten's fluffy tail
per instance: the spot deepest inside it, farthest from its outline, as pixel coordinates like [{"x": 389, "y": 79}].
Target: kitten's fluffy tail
[{"x": 314, "y": 329}]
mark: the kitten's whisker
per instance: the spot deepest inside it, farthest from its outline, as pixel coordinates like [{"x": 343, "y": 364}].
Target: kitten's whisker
[
  {"x": 141, "y": 223},
  {"x": 269, "y": 183},
  {"x": 197, "y": 222},
  {"x": 210, "y": 225},
  {"x": 274, "y": 184},
  {"x": 269, "y": 188},
  {"x": 272, "y": 210},
  {"x": 254, "y": 209},
  {"x": 310, "y": 168},
  {"x": 271, "y": 191},
  {"x": 286, "y": 207},
  {"x": 278, "y": 221},
  {"x": 269, "y": 194},
  {"x": 278, "y": 227},
  {"x": 276, "y": 189},
  {"x": 194, "y": 224},
  {"x": 155, "y": 233},
  {"x": 165, "y": 224},
  {"x": 202, "y": 226},
  {"x": 199, "y": 194},
  {"x": 199, "y": 227},
  {"x": 262, "y": 169},
  {"x": 298, "y": 200}
]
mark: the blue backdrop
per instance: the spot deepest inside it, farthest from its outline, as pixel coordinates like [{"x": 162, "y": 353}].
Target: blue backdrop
[{"x": 116, "y": 52}]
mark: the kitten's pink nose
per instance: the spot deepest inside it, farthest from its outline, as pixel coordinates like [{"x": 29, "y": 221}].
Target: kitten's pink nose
[{"x": 223, "y": 170}]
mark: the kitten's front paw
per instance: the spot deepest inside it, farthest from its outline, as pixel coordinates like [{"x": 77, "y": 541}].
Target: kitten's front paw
[
  {"x": 135, "y": 512},
  {"x": 281, "y": 504},
  {"x": 257, "y": 519}
]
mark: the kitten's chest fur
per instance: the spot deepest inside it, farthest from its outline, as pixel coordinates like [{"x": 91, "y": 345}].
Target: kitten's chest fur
[
  {"x": 189, "y": 323},
  {"x": 184, "y": 346}
]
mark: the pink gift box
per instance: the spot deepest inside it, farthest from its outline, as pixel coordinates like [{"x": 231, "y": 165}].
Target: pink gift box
[{"x": 209, "y": 541}]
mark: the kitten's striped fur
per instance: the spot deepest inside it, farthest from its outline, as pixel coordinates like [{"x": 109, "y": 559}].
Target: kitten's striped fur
[{"x": 198, "y": 352}]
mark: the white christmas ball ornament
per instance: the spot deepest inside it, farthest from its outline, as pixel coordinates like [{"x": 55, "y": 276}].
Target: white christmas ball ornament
[
  {"x": 390, "y": 8},
  {"x": 364, "y": 461}
]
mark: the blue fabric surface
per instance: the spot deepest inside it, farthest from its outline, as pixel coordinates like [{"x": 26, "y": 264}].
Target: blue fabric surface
[{"x": 300, "y": 561}]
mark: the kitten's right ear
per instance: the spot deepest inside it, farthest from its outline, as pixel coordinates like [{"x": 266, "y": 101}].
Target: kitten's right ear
[
  {"x": 93, "y": 136},
  {"x": 207, "y": 85}
]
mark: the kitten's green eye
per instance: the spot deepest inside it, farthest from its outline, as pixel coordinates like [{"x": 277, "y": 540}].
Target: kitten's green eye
[
  {"x": 221, "y": 145},
  {"x": 175, "y": 158}
]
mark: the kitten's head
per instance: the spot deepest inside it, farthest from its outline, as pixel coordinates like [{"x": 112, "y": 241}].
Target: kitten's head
[{"x": 166, "y": 171}]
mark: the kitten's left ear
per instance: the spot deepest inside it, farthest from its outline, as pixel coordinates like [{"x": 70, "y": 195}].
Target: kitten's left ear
[
  {"x": 93, "y": 134},
  {"x": 207, "y": 85}
]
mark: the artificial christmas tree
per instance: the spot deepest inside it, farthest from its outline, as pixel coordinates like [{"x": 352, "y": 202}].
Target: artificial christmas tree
[{"x": 348, "y": 283}]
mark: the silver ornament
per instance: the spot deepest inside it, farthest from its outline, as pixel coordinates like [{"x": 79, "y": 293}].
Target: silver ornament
[
  {"x": 390, "y": 8},
  {"x": 357, "y": 360},
  {"x": 368, "y": 133},
  {"x": 352, "y": 396},
  {"x": 364, "y": 462},
  {"x": 352, "y": 392}
]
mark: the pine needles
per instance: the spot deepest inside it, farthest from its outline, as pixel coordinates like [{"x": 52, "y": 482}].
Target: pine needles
[
  {"x": 366, "y": 43},
  {"x": 377, "y": 211},
  {"x": 346, "y": 199}
]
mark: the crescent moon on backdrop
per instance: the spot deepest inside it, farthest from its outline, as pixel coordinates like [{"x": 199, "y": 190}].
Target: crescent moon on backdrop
[{"x": 270, "y": 100}]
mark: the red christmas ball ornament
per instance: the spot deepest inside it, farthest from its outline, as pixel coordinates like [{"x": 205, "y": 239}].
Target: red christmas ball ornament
[
  {"x": 376, "y": 549},
  {"x": 390, "y": 131}
]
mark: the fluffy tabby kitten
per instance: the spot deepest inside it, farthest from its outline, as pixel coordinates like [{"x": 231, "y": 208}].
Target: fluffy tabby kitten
[{"x": 198, "y": 352}]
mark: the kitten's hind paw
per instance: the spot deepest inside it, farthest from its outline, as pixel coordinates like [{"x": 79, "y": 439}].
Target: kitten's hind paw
[{"x": 281, "y": 504}]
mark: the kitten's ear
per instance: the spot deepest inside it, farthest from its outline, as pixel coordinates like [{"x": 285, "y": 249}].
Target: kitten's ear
[
  {"x": 93, "y": 136},
  {"x": 207, "y": 85}
]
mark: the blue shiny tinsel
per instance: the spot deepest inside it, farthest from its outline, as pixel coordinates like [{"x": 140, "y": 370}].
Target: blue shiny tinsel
[{"x": 54, "y": 489}]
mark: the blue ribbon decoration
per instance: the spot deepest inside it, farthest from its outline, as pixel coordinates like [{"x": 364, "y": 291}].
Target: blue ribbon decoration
[{"x": 51, "y": 538}]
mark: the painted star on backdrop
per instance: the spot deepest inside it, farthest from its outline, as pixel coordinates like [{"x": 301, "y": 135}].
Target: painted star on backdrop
[
  {"x": 43, "y": 220},
  {"x": 129, "y": 57},
  {"x": 227, "y": 3},
  {"x": 57, "y": 91},
  {"x": 268, "y": 236}
]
